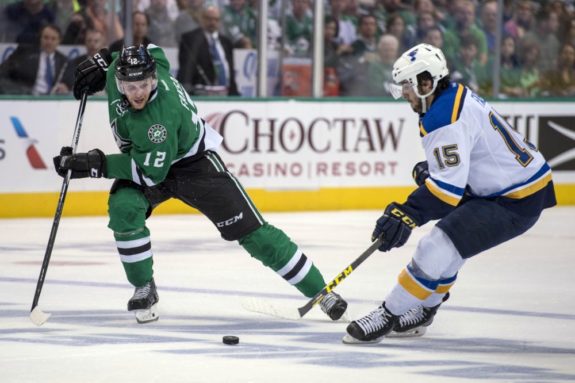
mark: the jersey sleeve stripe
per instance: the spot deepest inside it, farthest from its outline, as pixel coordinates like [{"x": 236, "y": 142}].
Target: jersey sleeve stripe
[
  {"x": 458, "y": 103},
  {"x": 451, "y": 195},
  {"x": 422, "y": 131}
]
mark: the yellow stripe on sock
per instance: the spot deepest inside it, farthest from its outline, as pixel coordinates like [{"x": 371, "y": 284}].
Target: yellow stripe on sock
[{"x": 412, "y": 286}]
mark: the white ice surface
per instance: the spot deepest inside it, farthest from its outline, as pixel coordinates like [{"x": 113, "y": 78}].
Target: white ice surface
[{"x": 511, "y": 317}]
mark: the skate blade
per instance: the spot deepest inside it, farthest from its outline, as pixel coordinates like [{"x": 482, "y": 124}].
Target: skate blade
[
  {"x": 348, "y": 339},
  {"x": 418, "y": 331},
  {"x": 147, "y": 315}
]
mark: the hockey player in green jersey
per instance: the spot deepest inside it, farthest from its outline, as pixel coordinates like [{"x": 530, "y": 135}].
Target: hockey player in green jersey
[{"x": 168, "y": 151}]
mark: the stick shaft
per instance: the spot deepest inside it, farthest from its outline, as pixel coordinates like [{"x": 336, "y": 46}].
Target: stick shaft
[
  {"x": 339, "y": 278},
  {"x": 60, "y": 207}
]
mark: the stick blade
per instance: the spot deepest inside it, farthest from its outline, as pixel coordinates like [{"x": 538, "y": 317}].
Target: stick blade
[
  {"x": 39, "y": 317},
  {"x": 267, "y": 307}
]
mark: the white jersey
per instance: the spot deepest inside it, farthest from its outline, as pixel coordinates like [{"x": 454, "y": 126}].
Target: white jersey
[{"x": 467, "y": 144}]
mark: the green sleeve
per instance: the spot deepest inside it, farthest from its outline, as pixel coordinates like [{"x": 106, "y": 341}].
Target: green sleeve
[{"x": 119, "y": 166}]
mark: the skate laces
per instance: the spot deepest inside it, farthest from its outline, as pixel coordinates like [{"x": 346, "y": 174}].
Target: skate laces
[
  {"x": 374, "y": 321},
  {"x": 414, "y": 316},
  {"x": 142, "y": 292},
  {"x": 329, "y": 301}
]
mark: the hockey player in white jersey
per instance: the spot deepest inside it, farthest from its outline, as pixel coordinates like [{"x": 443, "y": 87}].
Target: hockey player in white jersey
[{"x": 482, "y": 180}]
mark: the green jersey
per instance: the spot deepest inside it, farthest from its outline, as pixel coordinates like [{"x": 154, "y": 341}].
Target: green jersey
[{"x": 152, "y": 139}]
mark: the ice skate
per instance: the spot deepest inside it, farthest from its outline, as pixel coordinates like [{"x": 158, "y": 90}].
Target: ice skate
[
  {"x": 372, "y": 327},
  {"x": 415, "y": 321},
  {"x": 144, "y": 303},
  {"x": 333, "y": 305}
]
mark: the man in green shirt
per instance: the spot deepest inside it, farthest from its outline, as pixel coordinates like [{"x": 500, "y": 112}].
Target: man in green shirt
[{"x": 168, "y": 151}]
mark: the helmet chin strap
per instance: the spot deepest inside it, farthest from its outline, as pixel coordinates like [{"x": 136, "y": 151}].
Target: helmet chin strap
[
  {"x": 423, "y": 97},
  {"x": 423, "y": 105}
]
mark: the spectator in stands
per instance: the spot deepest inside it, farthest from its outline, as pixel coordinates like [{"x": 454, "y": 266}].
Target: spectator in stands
[
  {"x": 568, "y": 35},
  {"x": 367, "y": 38},
  {"x": 489, "y": 24},
  {"x": 94, "y": 41},
  {"x": 161, "y": 28},
  {"x": 402, "y": 8},
  {"x": 206, "y": 64},
  {"x": 346, "y": 29},
  {"x": 422, "y": 9},
  {"x": 188, "y": 17},
  {"x": 36, "y": 69},
  {"x": 467, "y": 69},
  {"x": 379, "y": 71},
  {"x": 434, "y": 36},
  {"x": 523, "y": 19},
  {"x": 239, "y": 23},
  {"x": 23, "y": 20},
  {"x": 560, "y": 81},
  {"x": 93, "y": 15},
  {"x": 63, "y": 11},
  {"x": 425, "y": 21},
  {"x": 404, "y": 34},
  {"x": 353, "y": 12},
  {"x": 510, "y": 70},
  {"x": 353, "y": 67},
  {"x": 562, "y": 9},
  {"x": 545, "y": 33},
  {"x": 142, "y": 5},
  {"x": 529, "y": 77},
  {"x": 464, "y": 26},
  {"x": 380, "y": 14},
  {"x": 331, "y": 57},
  {"x": 196, "y": 10},
  {"x": 140, "y": 23},
  {"x": 299, "y": 29}
]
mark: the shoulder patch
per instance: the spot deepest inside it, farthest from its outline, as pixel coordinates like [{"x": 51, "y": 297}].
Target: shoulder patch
[
  {"x": 157, "y": 133},
  {"x": 445, "y": 110}
]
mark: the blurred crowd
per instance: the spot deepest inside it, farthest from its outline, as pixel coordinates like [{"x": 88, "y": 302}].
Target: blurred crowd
[{"x": 362, "y": 39}]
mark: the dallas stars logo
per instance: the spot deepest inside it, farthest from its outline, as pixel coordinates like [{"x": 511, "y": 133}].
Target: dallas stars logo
[{"x": 157, "y": 133}]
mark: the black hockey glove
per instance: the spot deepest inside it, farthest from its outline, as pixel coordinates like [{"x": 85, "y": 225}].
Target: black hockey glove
[
  {"x": 83, "y": 165},
  {"x": 420, "y": 172},
  {"x": 90, "y": 75},
  {"x": 394, "y": 226}
]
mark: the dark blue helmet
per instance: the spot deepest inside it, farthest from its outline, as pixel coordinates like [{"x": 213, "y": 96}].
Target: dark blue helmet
[{"x": 135, "y": 64}]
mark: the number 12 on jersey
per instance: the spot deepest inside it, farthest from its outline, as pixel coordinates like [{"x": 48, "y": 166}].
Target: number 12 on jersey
[{"x": 158, "y": 160}]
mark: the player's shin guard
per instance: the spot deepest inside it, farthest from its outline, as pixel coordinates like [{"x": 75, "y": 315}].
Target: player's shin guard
[
  {"x": 137, "y": 258},
  {"x": 275, "y": 250}
]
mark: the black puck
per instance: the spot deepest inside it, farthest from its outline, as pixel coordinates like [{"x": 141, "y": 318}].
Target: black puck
[{"x": 230, "y": 339}]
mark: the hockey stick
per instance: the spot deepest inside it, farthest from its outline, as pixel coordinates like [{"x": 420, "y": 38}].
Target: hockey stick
[
  {"x": 339, "y": 278},
  {"x": 37, "y": 316}
]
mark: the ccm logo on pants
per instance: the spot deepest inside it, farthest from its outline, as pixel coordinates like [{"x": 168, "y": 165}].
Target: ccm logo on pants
[{"x": 231, "y": 221}]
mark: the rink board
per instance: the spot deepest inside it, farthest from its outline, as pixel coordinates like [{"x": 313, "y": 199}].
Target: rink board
[{"x": 290, "y": 155}]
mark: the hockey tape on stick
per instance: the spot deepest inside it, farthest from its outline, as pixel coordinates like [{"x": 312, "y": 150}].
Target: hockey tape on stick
[
  {"x": 339, "y": 278},
  {"x": 37, "y": 316}
]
